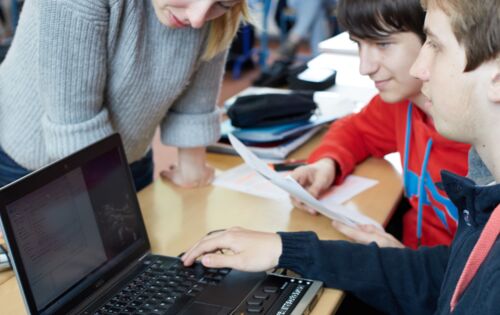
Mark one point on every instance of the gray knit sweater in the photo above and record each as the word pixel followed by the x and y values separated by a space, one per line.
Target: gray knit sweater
pixel 79 70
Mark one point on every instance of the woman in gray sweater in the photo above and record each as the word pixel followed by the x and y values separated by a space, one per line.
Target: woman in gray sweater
pixel 79 70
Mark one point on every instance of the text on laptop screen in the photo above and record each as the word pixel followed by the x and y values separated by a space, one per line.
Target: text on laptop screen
pixel 72 229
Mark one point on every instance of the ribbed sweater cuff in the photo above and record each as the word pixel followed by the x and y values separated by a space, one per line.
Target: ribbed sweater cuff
pixel 191 130
pixel 62 140
pixel 296 249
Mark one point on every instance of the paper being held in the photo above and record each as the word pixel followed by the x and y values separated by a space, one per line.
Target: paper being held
pixel 335 212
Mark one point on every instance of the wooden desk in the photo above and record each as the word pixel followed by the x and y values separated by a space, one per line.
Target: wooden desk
pixel 176 218
pixel 193 213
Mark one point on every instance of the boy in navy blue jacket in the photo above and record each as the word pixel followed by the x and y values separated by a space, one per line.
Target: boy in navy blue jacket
pixel 460 67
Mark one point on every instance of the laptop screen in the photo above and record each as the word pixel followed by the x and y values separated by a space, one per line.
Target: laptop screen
pixel 75 228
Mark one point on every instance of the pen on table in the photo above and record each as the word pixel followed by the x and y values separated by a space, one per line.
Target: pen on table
pixel 287 165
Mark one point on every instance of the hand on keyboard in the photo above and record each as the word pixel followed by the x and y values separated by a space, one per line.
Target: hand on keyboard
pixel 250 250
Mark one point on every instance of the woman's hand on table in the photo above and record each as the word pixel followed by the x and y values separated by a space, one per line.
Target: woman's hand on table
pixel 191 170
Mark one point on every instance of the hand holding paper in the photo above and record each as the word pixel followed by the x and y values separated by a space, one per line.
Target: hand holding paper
pixel 337 212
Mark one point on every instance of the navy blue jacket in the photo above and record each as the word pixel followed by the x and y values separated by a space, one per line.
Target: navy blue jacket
pixel 405 281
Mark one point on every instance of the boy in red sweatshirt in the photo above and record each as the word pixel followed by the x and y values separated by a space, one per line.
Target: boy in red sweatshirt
pixel 389 35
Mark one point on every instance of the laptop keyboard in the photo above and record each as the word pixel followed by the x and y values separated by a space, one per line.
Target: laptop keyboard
pixel 161 287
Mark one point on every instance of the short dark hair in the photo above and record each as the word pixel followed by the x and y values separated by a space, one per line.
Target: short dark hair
pixel 375 19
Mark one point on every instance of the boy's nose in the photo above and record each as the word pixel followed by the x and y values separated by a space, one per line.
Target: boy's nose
pixel 368 63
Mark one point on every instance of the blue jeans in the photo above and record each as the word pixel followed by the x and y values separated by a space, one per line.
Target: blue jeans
pixel 311 21
pixel 142 170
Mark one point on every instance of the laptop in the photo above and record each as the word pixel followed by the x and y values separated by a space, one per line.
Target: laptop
pixel 78 245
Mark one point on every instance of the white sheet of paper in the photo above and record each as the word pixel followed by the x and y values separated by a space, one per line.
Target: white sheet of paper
pixel 351 186
pixel 339 213
pixel 243 178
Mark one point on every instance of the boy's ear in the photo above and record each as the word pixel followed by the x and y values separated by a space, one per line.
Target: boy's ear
pixel 494 85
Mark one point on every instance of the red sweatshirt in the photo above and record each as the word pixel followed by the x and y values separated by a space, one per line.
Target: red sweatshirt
pixel 382 128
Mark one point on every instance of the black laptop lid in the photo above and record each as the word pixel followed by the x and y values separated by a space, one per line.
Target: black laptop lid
pixel 72 225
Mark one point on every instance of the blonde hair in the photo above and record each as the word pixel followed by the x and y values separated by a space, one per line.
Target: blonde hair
pixel 224 28
pixel 476 25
